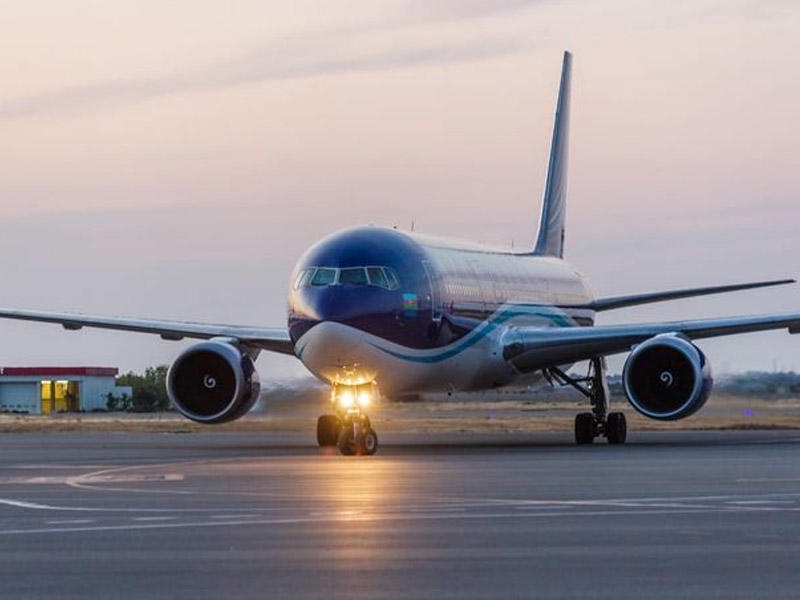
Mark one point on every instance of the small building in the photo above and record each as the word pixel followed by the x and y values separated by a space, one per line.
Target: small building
pixel 43 390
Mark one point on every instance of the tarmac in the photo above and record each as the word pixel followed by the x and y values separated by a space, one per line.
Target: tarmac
pixel 250 515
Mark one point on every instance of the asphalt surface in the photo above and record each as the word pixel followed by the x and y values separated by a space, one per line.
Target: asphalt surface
pixel 233 515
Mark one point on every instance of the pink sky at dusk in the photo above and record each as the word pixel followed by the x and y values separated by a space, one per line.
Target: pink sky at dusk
pixel 172 160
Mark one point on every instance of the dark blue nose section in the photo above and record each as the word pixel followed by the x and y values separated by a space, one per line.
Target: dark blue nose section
pixel 368 308
pixel 369 278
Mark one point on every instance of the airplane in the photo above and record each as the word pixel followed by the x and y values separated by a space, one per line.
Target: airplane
pixel 377 311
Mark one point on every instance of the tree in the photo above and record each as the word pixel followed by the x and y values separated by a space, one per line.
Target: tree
pixel 149 390
pixel 118 403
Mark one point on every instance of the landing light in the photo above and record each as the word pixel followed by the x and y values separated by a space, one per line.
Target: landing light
pixel 347 399
pixel 364 399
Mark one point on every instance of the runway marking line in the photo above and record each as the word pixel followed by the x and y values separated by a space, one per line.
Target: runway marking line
pixel 70 521
pixel 759 502
pixel 64 479
pixel 767 479
pixel 365 519
pixel 24 504
pixel 103 509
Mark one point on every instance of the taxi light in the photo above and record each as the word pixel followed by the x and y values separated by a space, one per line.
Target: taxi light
pixel 364 398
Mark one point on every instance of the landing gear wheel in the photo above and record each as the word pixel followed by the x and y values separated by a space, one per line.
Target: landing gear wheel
pixel 328 427
pixel 584 428
pixel 616 428
pixel 370 442
pixel 347 443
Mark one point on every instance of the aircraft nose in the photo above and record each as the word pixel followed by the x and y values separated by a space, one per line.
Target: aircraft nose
pixel 334 303
pixel 337 304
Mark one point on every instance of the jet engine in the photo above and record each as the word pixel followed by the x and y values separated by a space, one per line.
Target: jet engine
pixel 213 382
pixel 667 378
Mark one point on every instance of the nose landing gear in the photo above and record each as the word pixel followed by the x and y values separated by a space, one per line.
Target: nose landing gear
pixel 349 428
pixel 357 437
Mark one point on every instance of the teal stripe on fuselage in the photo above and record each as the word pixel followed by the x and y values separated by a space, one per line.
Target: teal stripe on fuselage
pixel 558 319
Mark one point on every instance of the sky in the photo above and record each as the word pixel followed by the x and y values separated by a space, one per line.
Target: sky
pixel 174 159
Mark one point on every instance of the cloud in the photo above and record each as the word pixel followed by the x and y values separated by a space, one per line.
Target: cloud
pixel 368 47
pixel 464 9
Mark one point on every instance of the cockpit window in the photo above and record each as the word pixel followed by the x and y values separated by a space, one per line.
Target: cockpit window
pixel 353 276
pixel 303 278
pixel 323 276
pixel 391 276
pixel 377 277
pixel 382 277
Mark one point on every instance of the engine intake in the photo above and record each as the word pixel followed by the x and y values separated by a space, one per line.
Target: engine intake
pixel 213 382
pixel 667 378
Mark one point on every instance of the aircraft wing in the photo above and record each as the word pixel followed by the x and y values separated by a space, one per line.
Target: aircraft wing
pixel 532 348
pixel 613 302
pixel 272 339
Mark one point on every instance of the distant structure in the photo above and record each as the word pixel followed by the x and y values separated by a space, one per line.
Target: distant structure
pixel 45 390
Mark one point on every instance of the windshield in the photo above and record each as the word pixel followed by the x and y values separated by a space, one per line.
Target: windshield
pixel 376 276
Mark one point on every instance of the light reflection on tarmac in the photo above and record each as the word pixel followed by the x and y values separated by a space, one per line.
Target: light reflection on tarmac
pixel 691 515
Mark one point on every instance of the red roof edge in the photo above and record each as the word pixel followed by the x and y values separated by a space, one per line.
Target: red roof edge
pixel 59 371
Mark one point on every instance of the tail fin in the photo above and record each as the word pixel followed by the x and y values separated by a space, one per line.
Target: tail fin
pixel 554 204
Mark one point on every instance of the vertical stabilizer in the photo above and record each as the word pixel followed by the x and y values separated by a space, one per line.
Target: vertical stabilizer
pixel 554 204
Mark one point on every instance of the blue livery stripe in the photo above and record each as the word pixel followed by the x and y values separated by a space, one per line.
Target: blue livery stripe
pixel 558 319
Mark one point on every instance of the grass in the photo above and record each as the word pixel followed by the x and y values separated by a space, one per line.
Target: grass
pixel 427 416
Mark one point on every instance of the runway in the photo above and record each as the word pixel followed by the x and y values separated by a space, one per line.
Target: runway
pixel 237 515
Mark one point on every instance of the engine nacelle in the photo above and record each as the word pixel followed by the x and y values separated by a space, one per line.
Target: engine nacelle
pixel 667 378
pixel 213 382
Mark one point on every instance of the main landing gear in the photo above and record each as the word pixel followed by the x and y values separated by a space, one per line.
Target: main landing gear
pixel 348 427
pixel 599 422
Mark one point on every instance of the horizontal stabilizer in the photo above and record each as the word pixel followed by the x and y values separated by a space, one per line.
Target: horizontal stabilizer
pixel 613 302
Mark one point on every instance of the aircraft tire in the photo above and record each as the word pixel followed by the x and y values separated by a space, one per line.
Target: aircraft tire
pixel 616 428
pixel 370 442
pixel 328 427
pixel 584 428
pixel 347 444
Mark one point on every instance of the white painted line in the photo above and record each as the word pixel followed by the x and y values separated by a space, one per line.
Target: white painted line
pixel 50 467
pixel 759 502
pixel 239 516
pixel 100 509
pixel 153 518
pixel 766 479
pixel 51 479
pixel 360 518
pixel 23 504
pixel 69 521
pixel 133 478
pixel 643 501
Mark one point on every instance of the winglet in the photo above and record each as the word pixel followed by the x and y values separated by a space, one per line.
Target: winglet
pixel 550 241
